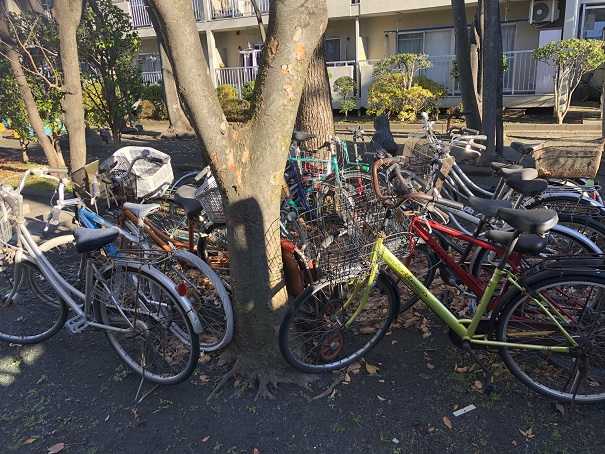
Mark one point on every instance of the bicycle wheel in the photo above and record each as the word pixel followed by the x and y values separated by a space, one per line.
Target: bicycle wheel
pixel 35 313
pixel 560 242
pixel 423 262
pixel 206 294
pixel 579 300
pixel 69 263
pixel 581 92
pixel 156 339
pixel 319 333
pixel 172 220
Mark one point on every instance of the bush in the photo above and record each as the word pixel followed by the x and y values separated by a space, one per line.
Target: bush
pixel 235 109
pixel 146 110
pixel 154 93
pixel 386 96
pixel 248 90
pixel 437 89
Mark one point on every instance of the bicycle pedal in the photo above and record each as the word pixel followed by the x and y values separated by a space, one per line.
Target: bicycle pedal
pixel 77 324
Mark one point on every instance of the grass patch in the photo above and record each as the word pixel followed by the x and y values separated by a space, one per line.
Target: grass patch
pixel 11 172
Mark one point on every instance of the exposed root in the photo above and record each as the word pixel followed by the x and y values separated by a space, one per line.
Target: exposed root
pixel 265 380
pixel 331 387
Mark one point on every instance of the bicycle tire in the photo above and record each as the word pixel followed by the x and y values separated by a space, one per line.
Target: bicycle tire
pixel 35 313
pixel 69 263
pixel 172 219
pixel 313 336
pixel 423 262
pixel 577 377
pixel 207 295
pixel 581 92
pixel 161 346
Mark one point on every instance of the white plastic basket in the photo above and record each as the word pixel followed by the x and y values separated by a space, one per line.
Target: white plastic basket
pixel 210 198
pixel 152 179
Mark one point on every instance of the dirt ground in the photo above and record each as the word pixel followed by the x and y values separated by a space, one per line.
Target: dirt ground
pixel 72 393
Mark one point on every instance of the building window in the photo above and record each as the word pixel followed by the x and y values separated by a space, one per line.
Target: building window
pixel 410 43
pixel 593 22
pixel 332 49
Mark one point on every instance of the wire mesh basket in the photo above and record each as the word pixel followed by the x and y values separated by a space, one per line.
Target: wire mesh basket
pixel 339 235
pixel 123 185
pixel 211 200
pixel 420 153
pixel 311 163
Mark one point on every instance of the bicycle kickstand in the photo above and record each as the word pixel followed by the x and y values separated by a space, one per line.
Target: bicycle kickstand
pixel 490 380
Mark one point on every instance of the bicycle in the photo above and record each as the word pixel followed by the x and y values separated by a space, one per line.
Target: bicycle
pixel 548 327
pixel 203 288
pixel 150 326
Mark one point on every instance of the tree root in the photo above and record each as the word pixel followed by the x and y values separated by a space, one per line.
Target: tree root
pixel 266 380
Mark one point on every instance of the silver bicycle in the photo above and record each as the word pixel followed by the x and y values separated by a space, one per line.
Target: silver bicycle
pixel 150 325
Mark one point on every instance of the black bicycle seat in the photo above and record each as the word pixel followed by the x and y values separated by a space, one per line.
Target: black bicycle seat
pixel 538 220
pixel 88 240
pixel 300 136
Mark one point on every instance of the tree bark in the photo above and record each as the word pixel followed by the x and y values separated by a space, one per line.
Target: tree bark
pixel 54 157
pixel 463 59
pixel 315 109
pixel 177 119
pixel 248 159
pixel 67 14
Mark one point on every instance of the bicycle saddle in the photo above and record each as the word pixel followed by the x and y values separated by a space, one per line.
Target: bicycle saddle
pixel 299 136
pixel 527 243
pixel 520 174
pixel 526 147
pixel 185 198
pixel 504 165
pixel 488 207
pixel 88 240
pixel 538 220
pixel 141 210
pixel 528 188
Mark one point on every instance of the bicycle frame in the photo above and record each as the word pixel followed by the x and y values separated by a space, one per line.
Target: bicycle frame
pixel 465 329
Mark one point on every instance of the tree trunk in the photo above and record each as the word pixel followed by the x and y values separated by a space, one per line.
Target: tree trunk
pixel 67 14
pixel 315 109
pixel 463 60
pixel 178 122
pixel 475 34
pixel 489 58
pixel 23 145
pixel 248 160
pixel 54 157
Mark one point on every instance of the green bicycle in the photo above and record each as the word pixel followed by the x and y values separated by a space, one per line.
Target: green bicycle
pixel 549 328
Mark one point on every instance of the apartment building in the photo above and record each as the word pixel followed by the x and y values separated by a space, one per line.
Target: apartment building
pixel 360 32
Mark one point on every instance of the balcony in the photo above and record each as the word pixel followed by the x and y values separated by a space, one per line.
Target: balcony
pixel 519 79
pixel 140 18
pixel 224 9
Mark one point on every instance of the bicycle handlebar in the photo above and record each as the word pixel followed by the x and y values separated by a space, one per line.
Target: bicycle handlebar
pixel 404 193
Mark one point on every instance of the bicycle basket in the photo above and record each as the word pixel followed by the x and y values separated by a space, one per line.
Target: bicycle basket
pixel 211 200
pixel 152 179
pixel 315 163
pixel 123 185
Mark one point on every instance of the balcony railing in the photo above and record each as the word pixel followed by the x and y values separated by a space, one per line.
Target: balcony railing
pixel 520 78
pixel 222 9
pixel 140 18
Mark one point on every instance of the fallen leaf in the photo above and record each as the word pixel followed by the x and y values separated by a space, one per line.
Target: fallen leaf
pixel 461 369
pixel 528 433
pixel 54 449
pixel 236 383
pixel 371 369
pixel 478 385
pixel 333 393
pixel 347 378
pixel 381 399
pixel 381 380
pixel 107 419
pixel 447 422
pixel 514 442
pixel 430 366
pixel 205 439
pixel 560 408
pixel 205 378
pixel 28 441
pixel 134 414
pixel 255 451
pixel 455 407
pixel 393 342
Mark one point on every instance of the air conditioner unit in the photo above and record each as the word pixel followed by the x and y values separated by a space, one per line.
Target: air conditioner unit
pixel 543 11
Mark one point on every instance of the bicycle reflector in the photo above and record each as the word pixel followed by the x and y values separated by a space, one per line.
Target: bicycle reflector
pixel 181 289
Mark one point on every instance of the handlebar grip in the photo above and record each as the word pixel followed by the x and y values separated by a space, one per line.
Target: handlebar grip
pixel 448 203
pixel 205 171
pixel 62 170
pixel 156 160
pixel 481 137
pixel 478 146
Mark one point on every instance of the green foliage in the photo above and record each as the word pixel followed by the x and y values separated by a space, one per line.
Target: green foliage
pixel 154 94
pixel 404 65
pixel 570 58
pixel 108 45
pixel 248 90
pixel 454 69
pixel 343 86
pixel 386 96
pixel 235 109
pixel 437 89
pixel 146 109
pixel 12 106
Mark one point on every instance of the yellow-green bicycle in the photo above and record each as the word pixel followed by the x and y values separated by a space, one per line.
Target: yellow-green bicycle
pixel 549 326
